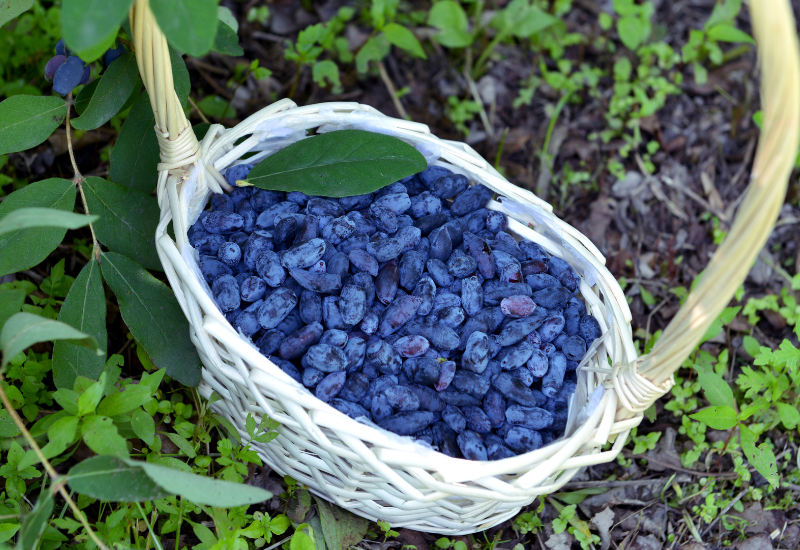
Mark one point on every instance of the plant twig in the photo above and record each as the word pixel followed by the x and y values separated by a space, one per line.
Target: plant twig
pixel 49 468
pixel 78 179
pixel 199 112
pixel 387 81
pixel 149 528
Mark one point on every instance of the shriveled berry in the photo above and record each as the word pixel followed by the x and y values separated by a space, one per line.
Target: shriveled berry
pixel 517 306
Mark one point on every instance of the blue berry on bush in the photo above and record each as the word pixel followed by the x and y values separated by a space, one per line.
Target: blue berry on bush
pixel 68 75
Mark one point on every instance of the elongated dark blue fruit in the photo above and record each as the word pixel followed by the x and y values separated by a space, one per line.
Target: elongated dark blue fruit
pixel 494 405
pixel 472 295
pixel 226 292
pixel 523 440
pixel 324 283
pixel 470 383
pixel 454 418
pixel 397 314
pixel 401 398
pixel 514 390
pixel 445 439
pixel 325 358
pixel 353 304
pixel 68 75
pixel 408 423
pixel 529 417
pixel 590 329
pixel 353 410
pixel 297 344
pixel 429 400
pixel 276 307
pixel 472 446
pixel 554 379
pixel 330 386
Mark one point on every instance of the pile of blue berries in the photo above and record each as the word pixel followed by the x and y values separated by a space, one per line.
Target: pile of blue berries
pixel 412 307
pixel 68 71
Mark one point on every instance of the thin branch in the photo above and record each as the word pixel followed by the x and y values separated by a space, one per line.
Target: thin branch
pixel 49 468
pixel 387 81
pixel 78 179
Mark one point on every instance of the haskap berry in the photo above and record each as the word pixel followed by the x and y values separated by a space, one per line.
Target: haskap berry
pixel 411 307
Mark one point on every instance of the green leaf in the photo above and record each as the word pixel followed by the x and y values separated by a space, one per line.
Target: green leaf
pixel 35 523
pixel 450 18
pixel 340 528
pixel 87 23
pixel 226 41
pixel 8 428
pixel 788 415
pixel 724 318
pixel 338 164
pixel 717 390
pixel 725 32
pixel 9 9
pixel 10 303
pixel 375 49
pixel 135 156
pixel 301 540
pixel 85 96
pixel 201 489
pixel 25 248
pixel 325 70
pixel 225 15
pixel 111 94
pixel 109 479
pixel 23 330
pixel 8 530
pixel 88 400
pixel 101 435
pixel 26 121
pixel 404 39
pixel 143 426
pixel 154 317
pixel 133 397
pixel 85 309
pixel 725 11
pixel 128 220
pixel 718 418
pixel 761 458
pixel 61 435
pixel 95 52
pixel 751 346
pixel 180 77
pixel 25 218
pixel 633 31
pixel 187 24
pixel 216 107
pixel 182 444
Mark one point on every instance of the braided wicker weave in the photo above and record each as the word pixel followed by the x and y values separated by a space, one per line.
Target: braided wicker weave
pixel 376 474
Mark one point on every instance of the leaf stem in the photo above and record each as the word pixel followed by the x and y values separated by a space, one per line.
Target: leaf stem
pixel 149 528
pixel 196 108
pixel 78 180
pixel 49 468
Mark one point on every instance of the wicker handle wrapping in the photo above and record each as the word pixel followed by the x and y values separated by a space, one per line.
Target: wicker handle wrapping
pixel 643 381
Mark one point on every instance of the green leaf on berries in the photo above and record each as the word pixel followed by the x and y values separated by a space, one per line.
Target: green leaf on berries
pixel 153 315
pixel 23 330
pixel 338 164
pixel 85 309
pixel 226 42
pixel 25 248
pixel 136 155
pixel 85 96
pixel 111 94
pixel 87 23
pixel 128 220
pixel 187 24
pixel 26 121
pixel 9 9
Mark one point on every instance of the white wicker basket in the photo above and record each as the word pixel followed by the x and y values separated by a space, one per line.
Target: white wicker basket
pixel 376 474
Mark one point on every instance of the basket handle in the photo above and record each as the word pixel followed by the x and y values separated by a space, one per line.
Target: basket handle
pixel 650 376
pixel 640 383
pixel 176 140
